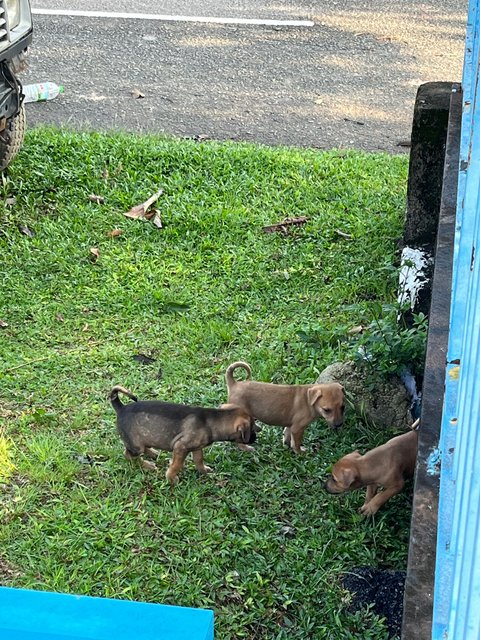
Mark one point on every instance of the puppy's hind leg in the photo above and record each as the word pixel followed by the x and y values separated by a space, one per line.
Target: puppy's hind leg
pixel 287 437
pixel 136 456
pixel 296 438
pixel 151 453
pixel 199 463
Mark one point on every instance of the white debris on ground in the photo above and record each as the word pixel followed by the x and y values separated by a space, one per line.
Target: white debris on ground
pixel 412 278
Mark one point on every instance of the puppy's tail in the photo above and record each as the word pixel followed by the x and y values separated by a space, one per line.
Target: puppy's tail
pixel 229 372
pixel 115 400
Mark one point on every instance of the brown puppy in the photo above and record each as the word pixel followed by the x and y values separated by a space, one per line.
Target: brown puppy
pixel 388 466
pixel 178 428
pixel 291 406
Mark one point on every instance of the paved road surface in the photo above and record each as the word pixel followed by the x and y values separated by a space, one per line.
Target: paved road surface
pixel 348 80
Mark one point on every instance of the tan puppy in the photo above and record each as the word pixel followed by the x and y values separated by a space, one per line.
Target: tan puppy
pixel 291 406
pixel 178 428
pixel 388 466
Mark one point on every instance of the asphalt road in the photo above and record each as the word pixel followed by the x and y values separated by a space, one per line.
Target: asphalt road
pixel 348 80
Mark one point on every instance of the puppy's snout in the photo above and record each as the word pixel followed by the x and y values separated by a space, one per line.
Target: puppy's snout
pixel 339 418
pixel 330 486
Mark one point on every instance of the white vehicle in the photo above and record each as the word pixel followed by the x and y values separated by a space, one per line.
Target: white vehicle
pixel 15 36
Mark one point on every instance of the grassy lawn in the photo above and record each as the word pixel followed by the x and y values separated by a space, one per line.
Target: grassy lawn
pixel 259 541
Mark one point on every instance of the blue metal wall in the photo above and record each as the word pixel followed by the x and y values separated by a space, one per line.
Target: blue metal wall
pixel 456 612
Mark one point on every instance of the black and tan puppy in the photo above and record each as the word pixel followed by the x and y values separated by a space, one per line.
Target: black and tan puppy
pixel 151 424
pixel 293 406
pixel 385 466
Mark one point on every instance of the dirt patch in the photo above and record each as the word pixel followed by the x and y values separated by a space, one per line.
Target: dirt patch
pixel 383 589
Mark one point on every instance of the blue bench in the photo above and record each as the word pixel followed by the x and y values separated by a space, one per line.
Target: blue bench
pixel 41 615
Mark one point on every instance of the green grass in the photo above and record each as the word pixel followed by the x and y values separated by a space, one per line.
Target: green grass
pixel 206 289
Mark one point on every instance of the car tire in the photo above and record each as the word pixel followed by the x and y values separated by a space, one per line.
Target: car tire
pixel 11 138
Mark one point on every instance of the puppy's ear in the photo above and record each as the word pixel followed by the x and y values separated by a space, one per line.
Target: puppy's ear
pixel 313 394
pixel 347 476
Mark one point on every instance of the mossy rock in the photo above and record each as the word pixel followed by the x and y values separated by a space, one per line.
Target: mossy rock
pixel 384 403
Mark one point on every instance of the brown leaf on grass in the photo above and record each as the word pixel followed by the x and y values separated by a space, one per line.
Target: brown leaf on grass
pixel 136 93
pixel 114 233
pixel 283 226
pixel 98 199
pixel 154 217
pixel 11 201
pixel 95 253
pixel 3 324
pixel 59 317
pixel 140 210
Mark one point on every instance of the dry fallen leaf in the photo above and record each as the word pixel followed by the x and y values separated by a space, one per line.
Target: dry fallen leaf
pixel 59 317
pixel 282 227
pixel 154 217
pixel 136 93
pixel 3 324
pixel 98 199
pixel 140 210
pixel 95 253
pixel 11 201
pixel 157 220
pixel 114 233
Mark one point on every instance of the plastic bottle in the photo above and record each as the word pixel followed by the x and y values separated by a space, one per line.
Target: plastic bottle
pixel 41 91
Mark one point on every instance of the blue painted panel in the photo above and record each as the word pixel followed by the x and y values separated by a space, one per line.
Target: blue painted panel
pixel 41 615
pixel 456 611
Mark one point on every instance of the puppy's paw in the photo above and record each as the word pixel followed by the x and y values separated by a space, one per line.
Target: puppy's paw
pixel 206 469
pixel 150 466
pixel 300 450
pixel 367 510
pixel 172 478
